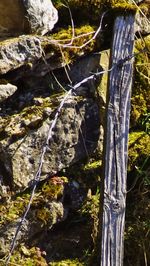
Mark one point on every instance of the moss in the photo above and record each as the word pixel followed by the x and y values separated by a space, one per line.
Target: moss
pixel 67 54
pixel 93 165
pixel 98 4
pixel 68 262
pixel 13 209
pixel 139 149
pixel 31 117
pixel 3 81
pixel 89 11
pixel 91 209
pixel 137 231
pixel 49 190
pixel 121 7
pixel 27 257
pixel 139 108
pixel 53 188
pixel 44 215
pixel 140 102
pixel 86 173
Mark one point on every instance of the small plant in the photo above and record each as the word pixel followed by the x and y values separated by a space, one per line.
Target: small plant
pixel 91 209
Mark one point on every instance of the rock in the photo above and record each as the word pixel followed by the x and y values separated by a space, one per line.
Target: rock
pixel 18 17
pixel 17 52
pixel 12 17
pixel 7 234
pixel 6 90
pixel 75 136
pixel 42 15
pixel 84 68
pixel 49 215
pixel 142 24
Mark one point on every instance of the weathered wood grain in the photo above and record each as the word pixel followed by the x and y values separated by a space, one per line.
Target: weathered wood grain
pixel 115 158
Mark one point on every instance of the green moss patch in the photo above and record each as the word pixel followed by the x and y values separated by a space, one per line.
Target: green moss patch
pixel 67 262
pixel 139 149
pixel 68 47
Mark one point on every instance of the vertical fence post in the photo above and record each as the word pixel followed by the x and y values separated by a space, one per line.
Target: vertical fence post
pixel 116 138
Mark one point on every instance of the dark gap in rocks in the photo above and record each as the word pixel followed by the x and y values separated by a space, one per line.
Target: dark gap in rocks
pixel 5 178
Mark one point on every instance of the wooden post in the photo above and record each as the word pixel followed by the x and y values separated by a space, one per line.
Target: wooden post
pixel 115 155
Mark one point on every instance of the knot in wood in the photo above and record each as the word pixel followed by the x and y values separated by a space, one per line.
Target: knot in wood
pixel 117 205
pixel 114 204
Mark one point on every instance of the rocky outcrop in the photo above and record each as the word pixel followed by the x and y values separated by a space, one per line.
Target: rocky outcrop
pixel 26 115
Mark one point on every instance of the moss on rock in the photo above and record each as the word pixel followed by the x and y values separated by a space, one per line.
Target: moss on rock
pixel 68 47
pixel 26 256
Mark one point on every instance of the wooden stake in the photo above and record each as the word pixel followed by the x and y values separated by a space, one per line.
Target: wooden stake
pixel 115 155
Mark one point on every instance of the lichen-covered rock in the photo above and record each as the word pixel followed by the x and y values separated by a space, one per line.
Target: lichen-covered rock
pixel 47 215
pixel 75 136
pixel 7 234
pixel 19 51
pixel 6 90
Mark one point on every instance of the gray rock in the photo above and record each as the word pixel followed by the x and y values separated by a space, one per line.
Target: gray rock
pixel 75 136
pixel 42 15
pixel 142 24
pixel 84 68
pixel 6 90
pixel 7 232
pixel 17 52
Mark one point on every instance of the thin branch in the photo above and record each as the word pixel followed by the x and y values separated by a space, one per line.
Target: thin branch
pixel 72 24
pixel 91 39
pixel 76 37
pixel 69 46
pixel 142 74
pixel 67 74
pixel 56 79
